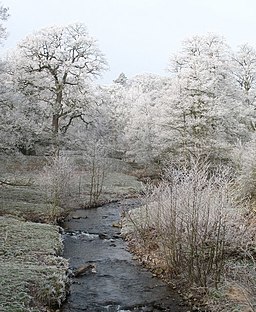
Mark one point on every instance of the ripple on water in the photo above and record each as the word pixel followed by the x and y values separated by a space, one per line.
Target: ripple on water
pixel 81 235
pixel 120 284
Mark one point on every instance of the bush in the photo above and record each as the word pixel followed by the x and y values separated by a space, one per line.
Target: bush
pixel 56 178
pixel 194 222
pixel 244 157
pixel 97 169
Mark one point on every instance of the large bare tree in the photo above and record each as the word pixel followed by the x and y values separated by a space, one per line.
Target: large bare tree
pixel 55 67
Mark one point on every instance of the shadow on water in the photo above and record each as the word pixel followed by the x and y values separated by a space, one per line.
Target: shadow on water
pixel 118 283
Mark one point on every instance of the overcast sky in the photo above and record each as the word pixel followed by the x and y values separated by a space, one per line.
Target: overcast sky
pixel 137 36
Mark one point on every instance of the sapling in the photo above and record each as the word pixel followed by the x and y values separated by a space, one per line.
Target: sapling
pixel 56 177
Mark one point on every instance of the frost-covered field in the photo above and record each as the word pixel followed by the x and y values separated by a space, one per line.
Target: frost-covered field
pixel 32 271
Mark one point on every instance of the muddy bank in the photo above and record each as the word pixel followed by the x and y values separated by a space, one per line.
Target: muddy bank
pixel 118 283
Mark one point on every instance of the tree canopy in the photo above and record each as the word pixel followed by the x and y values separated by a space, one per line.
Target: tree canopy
pixel 55 67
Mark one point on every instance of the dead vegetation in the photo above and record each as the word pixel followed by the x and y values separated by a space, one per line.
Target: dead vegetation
pixel 195 231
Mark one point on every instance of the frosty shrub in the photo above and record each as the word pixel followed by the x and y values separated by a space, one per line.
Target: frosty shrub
pixel 98 167
pixel 196 222
pixel 244 157
pixel 56 177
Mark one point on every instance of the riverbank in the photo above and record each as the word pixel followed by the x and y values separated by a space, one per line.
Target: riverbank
pixel 33 272
pixel 117 282
pixel 150 235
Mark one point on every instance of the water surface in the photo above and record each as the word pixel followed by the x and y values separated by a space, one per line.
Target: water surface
pixel 119 283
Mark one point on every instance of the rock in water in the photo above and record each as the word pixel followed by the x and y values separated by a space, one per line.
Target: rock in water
pixel 76 217
pixel 84 269
pixel 117 224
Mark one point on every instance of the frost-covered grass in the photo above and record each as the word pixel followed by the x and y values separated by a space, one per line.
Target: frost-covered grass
pixel 34 201
pixel 118 185
pixel 27 199
pixel 27 203
pixel 32 273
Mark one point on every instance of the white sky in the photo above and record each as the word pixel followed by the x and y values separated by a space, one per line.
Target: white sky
pixel 137 36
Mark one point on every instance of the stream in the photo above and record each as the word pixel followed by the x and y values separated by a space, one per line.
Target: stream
pixel 117 282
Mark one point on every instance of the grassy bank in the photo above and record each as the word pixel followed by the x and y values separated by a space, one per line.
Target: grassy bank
pixel 33 274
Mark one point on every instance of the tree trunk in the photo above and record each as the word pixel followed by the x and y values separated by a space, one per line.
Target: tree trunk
pixel 55 133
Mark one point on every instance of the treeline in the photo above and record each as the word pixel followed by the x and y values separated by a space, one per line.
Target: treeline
pixel 50 98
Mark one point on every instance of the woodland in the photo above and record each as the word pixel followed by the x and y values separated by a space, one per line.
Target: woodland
pixel 191 134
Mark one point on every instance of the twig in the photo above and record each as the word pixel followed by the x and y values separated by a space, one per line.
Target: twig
pixel 16 183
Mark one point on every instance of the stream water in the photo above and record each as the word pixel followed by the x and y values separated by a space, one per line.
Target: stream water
pixel 118 283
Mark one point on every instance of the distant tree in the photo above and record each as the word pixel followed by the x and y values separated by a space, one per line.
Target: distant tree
pixel 117 108
pixel 93 126
pixel 203 102
pixel 200 108
pixel 121 79
pixel 4 14
pixel 135 115
pixel 4 94
pixel 22 122
pixel 243 69
pixel 54 67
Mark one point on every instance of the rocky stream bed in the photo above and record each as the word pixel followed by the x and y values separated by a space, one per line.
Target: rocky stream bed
pixel 115 281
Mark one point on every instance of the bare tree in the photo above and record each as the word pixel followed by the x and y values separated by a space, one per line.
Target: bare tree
pixel 55 66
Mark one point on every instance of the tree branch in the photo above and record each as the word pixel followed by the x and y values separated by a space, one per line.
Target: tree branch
pixel 16 183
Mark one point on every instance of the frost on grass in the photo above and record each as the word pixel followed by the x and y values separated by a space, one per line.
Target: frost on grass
pixel 25 202
pixel 32 273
